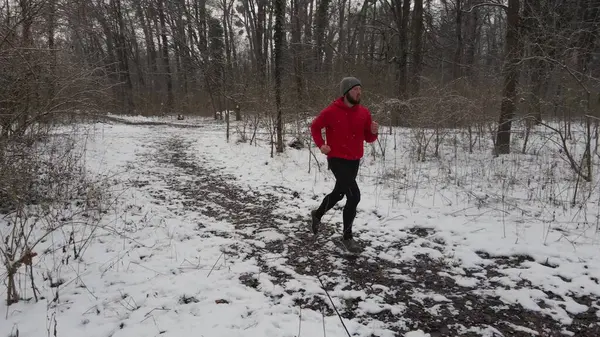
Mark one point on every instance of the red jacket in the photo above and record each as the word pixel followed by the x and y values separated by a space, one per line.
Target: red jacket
pixel 346 128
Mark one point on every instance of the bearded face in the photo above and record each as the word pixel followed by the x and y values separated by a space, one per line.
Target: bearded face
pixel 353 96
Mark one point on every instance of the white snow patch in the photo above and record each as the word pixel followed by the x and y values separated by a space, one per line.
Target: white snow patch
pixel 150 256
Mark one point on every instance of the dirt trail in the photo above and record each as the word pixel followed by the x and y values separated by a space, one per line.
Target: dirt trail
pixel 406 296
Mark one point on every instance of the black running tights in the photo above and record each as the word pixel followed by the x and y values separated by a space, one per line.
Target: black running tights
pixel 345 172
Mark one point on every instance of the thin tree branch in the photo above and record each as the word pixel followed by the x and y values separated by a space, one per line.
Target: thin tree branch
pixel 485 4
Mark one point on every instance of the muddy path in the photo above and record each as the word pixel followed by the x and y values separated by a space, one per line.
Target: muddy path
pixel 378 285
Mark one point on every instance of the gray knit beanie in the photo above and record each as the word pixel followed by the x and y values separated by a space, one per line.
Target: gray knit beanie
pixel 347 84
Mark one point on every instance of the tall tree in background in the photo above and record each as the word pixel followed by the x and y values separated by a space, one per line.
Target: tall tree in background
pixel 122 50
pixel 511 77
pixel 279 42
pixel 297 46
pixel 417 38
pixel 401 16
pixel 320 26
pixel 217 58
pixel 166 63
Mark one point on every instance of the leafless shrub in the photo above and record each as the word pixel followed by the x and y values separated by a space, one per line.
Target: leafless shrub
pixel 432 117
pixel 44 188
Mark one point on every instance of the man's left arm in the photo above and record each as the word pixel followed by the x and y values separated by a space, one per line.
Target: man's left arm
pixel 371 129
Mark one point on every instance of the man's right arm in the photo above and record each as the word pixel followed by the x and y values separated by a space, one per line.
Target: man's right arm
pixel 317 125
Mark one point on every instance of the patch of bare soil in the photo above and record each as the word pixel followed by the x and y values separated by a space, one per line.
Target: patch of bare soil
pixel 120 120
pixel 420 294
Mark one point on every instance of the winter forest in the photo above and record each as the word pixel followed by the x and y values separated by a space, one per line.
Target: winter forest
pixel 157 169
pixel 440 63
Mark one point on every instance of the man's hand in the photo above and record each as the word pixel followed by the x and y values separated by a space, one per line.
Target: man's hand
pixel 325 149
pixel 374 128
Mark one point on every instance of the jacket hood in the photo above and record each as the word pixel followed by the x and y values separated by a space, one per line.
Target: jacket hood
pixel 339 103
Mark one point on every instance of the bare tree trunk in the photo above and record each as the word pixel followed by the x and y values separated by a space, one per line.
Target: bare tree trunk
pixel 471 43
pixel 261 58
pixel 417 44
pixel 342 36
pixel 306 12
pixel 360 32
pixel 297 47
pixel 403 48
pixel 279 41
pixel 458 53
pixel 124 73
pixel 373 39
pixel 511 76
pixel 183 49
pixel 228 42
pixel 51 46
pixel 27 42
pixel 401 10
pixel 321 22
pixel 165 56
pixel 141 72
pixel 255 14
pixel 200 14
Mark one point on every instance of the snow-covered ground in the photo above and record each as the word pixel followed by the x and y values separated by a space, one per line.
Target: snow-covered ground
pixel 176 256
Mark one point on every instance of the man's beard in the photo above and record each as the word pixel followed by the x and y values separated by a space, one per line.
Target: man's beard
pixel 352 100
